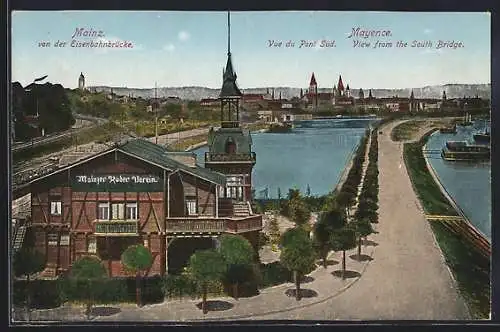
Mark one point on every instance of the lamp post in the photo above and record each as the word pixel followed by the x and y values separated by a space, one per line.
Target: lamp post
pixel 36 96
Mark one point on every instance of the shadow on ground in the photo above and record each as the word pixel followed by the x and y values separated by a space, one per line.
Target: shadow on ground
pixel 306 279
pixel 369 243
pixel 347 274
pixel 328 262
pixel 104 311
pixel 304 293
pixel 361 258
pixel 217 305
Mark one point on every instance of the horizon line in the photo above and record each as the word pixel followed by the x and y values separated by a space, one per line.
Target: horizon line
pixel 275 87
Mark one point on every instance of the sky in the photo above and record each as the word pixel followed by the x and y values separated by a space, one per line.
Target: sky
pixel 178 49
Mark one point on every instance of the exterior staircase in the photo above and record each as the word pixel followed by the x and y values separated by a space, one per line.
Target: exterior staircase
pixel 241 209
pixel 19 238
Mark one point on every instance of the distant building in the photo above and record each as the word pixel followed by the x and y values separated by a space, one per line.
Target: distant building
pixel 252 97
pixel 81 82
pixel 210 102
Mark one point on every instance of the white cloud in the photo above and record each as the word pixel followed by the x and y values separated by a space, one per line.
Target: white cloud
pixel 169 47
pixel 427 31
pixel 184 36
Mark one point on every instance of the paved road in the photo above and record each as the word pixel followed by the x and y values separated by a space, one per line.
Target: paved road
pixel 408 278
pixel 173 137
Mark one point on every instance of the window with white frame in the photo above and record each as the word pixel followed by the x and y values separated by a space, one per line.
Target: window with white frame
pixel 118 211
pixel 55 208
pixel 191 206
pixel 103 211
pixel 234 187
pixel 92 246
pixel 222 192
pixel 146 243
pixel 131 212
pixel 52 239
pixel 64 240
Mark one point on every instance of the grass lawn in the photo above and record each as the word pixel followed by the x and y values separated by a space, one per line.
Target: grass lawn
pixel 429 193
pixel 471 269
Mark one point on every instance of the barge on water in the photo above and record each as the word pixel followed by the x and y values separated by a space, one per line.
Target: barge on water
pixel 467 121
pixel 463 151
pixel 280 127
pixel 483 138
pixel 448 130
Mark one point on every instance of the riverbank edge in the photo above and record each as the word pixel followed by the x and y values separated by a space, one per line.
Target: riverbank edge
pixel 445 192
pixel 444 238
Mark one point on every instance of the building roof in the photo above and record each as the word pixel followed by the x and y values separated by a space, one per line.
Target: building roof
pixel 340 84
pixel 158 155
pixel 151 153
pixel 217 139
pixel 229 86
pixel 313 80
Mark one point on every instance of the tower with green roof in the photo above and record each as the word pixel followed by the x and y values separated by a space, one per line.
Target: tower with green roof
pixel 230 146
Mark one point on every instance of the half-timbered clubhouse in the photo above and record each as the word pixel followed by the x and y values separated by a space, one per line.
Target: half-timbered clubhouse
pixel 138 192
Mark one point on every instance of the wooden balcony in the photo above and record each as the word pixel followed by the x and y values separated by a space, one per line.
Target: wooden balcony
pixel 116 227
pixel 214 225
pixel 224 157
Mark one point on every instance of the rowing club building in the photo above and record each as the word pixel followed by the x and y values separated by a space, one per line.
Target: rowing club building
pixel 138 192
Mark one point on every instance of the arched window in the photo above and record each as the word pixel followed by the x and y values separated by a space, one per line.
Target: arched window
pixel 230 145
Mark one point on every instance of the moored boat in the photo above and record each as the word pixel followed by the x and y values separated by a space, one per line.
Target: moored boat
pixel 448 130
pixel 467 120
pixel 463 151
pixel 483 137
pixel 280 127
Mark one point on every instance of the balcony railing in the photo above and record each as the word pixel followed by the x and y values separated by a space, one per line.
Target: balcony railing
pixel 175 225
pixel 116 227
pixel 213 225
pixel 210 157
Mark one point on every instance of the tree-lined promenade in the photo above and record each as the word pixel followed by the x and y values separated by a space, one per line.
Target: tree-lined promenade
pixel 397 273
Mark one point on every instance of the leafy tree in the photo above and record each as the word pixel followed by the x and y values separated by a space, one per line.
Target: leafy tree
pixel 137 259
pixel 206 266
pixel 86 277
pixel 341 240
pixel 27 262
pixel 298 256
pixel 238 254
pixel 292 235
pixel 293 193
pixel 298 211
pixel 344 198
pixel 328 222
pixel 362 228
pixel 274 230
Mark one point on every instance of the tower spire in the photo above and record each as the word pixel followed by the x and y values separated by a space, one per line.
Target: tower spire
pixel 229 33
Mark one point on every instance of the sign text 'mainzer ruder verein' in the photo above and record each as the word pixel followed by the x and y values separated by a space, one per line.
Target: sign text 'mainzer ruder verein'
pixel 117 182
pixel 112 179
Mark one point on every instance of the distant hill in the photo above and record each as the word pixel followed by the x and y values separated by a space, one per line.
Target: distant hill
pixel 198 92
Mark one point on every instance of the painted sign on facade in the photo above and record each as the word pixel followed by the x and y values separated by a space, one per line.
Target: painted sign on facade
pixel 117 183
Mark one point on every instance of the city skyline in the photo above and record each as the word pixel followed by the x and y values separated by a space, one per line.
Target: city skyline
pixel 177 49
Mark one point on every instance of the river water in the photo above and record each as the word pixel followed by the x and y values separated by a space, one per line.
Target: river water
pixel 469 184
pixel 316 153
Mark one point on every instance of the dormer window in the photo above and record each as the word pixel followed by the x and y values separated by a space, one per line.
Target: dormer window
pixel 230 145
